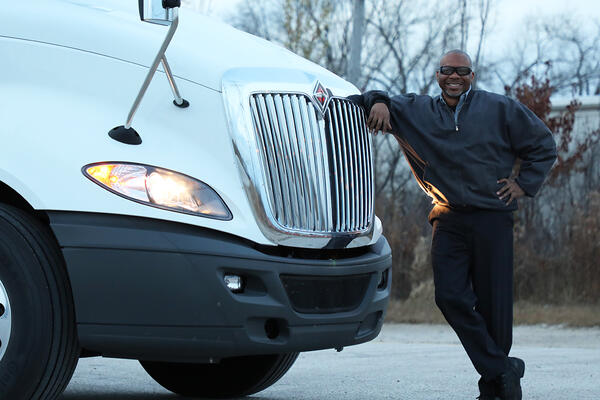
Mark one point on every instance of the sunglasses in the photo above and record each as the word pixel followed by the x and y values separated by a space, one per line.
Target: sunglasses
pixel 462 71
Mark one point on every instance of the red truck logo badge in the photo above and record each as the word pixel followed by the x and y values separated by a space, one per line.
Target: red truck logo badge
pixel 321 97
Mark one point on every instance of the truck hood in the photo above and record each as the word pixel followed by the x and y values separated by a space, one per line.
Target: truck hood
pixel 202 50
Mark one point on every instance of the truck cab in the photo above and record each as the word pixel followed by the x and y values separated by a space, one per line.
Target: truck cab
pixel 234 233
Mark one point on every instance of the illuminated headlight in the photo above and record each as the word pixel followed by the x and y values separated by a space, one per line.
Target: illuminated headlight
pixel 158 187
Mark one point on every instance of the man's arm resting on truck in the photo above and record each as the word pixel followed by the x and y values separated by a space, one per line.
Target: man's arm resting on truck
pixel 376 104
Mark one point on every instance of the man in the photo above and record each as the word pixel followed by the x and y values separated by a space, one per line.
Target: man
pixel 461 147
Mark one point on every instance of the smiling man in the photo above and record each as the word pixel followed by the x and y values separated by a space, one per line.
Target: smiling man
pixel 461 147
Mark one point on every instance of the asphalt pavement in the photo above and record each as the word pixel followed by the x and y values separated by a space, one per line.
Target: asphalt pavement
pixel 406 362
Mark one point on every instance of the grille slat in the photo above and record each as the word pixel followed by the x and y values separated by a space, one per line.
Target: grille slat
pixel 369 173
pixel 347 167
pixel 339 181
pixel 318 169
pixel 319 148
pixel 351 148
pixel 333 160
pixel 367 177
pixel 306 167
pixel 296 161
pixel 286 173
pixel 273 162
pixel 357 178
pixel 292 179
pixel 311 155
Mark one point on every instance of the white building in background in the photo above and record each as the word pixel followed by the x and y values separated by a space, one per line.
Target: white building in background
pixel 586 179
pixel 587 118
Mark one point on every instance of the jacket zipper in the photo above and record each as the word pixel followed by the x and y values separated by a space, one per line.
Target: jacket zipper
pixel 456 124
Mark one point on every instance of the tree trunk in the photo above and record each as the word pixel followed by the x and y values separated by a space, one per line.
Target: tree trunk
pixel 358 28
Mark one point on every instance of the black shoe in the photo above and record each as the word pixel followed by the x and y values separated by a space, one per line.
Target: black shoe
pixel 509 383
pixel 518 364
pixel 487 390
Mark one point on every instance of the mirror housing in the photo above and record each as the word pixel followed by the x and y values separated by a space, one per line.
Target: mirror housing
pixel 158 11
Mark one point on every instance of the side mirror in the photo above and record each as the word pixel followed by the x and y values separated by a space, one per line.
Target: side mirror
pixel 158 11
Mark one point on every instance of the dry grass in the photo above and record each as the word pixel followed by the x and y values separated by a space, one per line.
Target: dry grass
pixel 570 314
pixel 420 308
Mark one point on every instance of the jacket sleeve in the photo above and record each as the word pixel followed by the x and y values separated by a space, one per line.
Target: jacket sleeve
pixel 533 143
pixel 370 98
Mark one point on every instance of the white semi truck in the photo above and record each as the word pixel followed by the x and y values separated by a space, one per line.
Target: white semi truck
pixel 212 237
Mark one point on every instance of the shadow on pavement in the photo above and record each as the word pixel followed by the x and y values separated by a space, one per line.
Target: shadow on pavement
pixel 141 396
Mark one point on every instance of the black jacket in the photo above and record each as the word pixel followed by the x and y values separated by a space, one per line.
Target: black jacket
pixel 458 163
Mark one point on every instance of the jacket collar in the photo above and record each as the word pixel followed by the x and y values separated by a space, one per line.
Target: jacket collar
pixel 464 98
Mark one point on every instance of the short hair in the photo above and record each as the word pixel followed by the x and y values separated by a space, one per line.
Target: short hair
pixel 457 51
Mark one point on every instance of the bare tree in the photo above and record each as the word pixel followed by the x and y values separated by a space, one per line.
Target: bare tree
pixel 563 47
pixel 358 29
pixel 401 43
pixel 484 14
pixel 557 255
pixel 258 17
pixel 464 25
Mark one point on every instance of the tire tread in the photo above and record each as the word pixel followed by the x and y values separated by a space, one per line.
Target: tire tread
pixel 63 357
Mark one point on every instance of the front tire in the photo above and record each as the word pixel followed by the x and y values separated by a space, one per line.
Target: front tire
pixel 232 377
pixel 38 341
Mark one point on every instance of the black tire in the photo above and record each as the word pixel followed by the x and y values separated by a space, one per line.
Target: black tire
pixel 40 348
pixel 232 377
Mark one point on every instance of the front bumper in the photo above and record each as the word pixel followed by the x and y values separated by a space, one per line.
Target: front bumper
pixel 154 290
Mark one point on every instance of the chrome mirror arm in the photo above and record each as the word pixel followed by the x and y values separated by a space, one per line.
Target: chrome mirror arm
pixel 125 133
pixel 179 101
pixel 159 57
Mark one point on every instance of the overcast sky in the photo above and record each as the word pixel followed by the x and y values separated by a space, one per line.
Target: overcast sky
pixel 509 17
pixel 510 12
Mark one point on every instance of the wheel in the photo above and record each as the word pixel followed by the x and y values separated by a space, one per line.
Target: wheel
pixel 38 341
pixel 232 377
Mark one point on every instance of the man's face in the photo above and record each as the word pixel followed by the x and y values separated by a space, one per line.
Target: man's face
pixel 454 85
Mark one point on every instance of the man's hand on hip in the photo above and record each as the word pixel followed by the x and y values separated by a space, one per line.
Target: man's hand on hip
pixel 379 119
pixel 511 189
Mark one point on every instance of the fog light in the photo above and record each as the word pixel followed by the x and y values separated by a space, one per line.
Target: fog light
pixel 235 283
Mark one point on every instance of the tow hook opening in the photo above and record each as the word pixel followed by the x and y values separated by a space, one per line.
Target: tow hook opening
pixel 272 329
pixel 383 280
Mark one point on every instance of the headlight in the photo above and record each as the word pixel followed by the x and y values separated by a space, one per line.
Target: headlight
pixel 158 187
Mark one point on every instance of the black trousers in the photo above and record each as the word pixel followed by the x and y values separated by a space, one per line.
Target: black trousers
pixel 472 257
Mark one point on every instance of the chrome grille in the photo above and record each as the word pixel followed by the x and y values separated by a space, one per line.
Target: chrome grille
pixel 319 171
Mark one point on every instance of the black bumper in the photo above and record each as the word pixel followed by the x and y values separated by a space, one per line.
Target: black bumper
pixel 154 290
